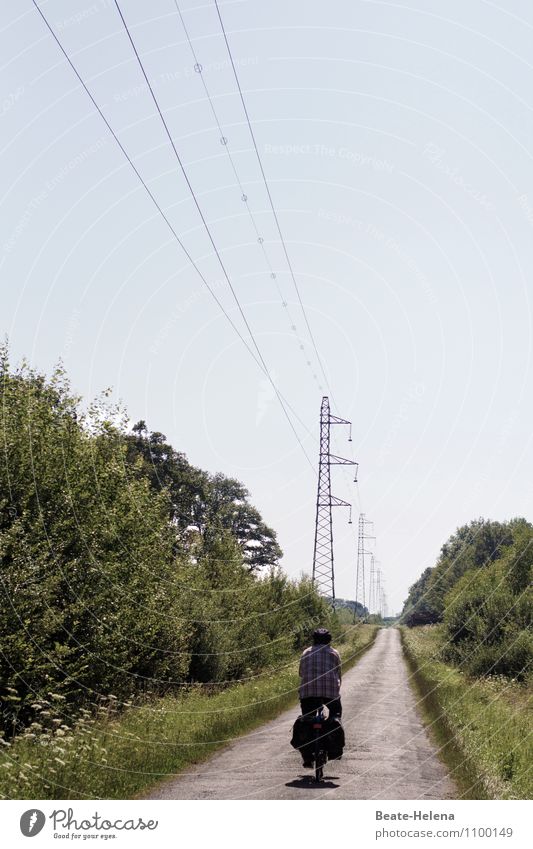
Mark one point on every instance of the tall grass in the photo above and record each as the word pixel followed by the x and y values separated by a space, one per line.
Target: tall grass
pixel 483 725
pixel 114 754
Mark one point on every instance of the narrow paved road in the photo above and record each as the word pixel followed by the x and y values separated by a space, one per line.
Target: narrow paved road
pixel 388 753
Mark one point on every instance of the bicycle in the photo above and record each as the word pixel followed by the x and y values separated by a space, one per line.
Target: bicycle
pixel 318 739
pixel 320 754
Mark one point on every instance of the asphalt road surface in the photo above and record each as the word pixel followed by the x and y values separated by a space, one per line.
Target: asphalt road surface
pixel 388 754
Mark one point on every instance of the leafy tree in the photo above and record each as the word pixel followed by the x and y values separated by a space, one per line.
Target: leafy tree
pixel 228 509
pixel 124 569
pixel 352 606
pixel 169 469
pixel 481 589
pixel 88 576
pixel 418 609
pixel 473 546
pixel 210 504
pixel 489 615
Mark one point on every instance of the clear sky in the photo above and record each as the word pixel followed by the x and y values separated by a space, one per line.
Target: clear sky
pixel 397 142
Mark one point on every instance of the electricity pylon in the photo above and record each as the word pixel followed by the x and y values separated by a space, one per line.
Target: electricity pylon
pixel 376 590
pixel 360 568
pixel 323 566
pixel 372 589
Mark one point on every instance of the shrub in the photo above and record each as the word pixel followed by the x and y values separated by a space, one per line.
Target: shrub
pixel 488 614
pixel 103 590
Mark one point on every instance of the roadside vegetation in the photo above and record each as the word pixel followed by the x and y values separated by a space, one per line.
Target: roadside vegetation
pixel 130 581
pixel 123 568
pixel 482 724
pixel 143 612
pixel 117 752
pixel 470 647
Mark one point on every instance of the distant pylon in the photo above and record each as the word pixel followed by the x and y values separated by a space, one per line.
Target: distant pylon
pixel 381 595
pixel 360 593
pixel 372 589
pixel 323 566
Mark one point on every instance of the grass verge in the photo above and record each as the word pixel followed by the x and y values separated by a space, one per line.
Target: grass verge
pixel 482 725
pixel 117 756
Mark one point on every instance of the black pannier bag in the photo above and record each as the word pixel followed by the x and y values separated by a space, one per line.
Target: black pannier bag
pixel 303 737
pixel 335 740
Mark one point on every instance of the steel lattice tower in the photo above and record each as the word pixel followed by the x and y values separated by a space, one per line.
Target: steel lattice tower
pixel 379 593
pixel 323 565
pixel 372 590
pixel 360 592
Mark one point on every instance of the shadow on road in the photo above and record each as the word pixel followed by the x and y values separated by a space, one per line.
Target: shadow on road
pixel 308 783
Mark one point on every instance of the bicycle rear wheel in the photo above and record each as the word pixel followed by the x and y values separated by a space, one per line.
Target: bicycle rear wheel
pixel 320 761
pixel 317 757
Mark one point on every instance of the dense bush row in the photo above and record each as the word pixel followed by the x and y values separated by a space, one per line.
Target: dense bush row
pixel 482 725
pixel 481 590
pixel 124 569
pixel 489 614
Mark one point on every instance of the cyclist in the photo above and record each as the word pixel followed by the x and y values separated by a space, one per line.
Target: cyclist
pixel 320 673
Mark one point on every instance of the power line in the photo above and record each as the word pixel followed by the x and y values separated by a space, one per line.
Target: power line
pixel 210 235
pixel 258 359
pixel 244 196
pixel 273 208
pixel 287 257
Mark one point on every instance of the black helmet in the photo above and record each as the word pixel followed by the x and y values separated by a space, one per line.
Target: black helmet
pixel 321 636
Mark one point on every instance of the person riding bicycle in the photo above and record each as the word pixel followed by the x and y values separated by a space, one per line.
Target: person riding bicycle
pixel 320 673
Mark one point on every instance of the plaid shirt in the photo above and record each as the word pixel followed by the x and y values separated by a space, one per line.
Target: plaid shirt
pixel 320 671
